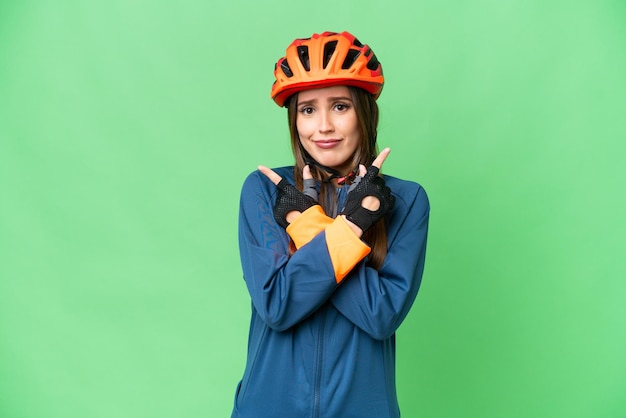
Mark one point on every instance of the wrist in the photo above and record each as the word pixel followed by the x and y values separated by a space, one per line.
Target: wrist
pixel 358 231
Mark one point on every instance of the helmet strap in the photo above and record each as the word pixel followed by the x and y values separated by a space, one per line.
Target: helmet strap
pixel 332 173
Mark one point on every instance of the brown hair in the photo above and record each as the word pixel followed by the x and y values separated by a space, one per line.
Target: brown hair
pixel 367 117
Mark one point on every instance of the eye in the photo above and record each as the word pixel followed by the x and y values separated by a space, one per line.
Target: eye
pixel 306 110
pixel 342 107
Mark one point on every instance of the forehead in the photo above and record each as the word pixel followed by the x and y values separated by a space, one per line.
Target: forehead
pixel 323 93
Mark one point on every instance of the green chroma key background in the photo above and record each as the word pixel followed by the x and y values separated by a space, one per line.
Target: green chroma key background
pixel 127 128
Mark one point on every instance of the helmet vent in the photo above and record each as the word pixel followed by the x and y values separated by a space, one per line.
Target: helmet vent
pixel 284 65
pixel 303 53
pixel 329 50
pixel 373 63
pixel 356 43
pixel 351 56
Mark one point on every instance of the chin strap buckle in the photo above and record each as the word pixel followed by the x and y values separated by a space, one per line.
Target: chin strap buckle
pixel 342 180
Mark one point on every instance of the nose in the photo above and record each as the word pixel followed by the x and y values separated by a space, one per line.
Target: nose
pixel 326 122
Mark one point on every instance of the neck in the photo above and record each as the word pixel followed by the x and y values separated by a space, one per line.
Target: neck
pixel 333 176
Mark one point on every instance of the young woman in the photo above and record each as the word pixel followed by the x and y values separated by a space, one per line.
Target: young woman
pixel 332 251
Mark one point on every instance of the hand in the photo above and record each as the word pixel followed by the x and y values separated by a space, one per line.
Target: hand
pixel 369 199
pixel 291 202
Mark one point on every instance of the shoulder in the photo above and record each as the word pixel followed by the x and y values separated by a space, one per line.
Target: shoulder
pixel 404 189
pixel 410 195
pixel 396 183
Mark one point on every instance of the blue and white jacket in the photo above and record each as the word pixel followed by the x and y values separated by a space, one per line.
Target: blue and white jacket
pixel 322 332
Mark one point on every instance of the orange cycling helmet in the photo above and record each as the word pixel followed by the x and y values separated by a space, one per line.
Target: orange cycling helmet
pixel 325 60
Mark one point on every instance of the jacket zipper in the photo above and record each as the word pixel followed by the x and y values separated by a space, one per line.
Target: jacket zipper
pixel 340 193
pixel 318 366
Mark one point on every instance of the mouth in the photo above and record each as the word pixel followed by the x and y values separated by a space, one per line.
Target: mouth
pixel 327 143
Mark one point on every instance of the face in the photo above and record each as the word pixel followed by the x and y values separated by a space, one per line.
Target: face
pixel 328 127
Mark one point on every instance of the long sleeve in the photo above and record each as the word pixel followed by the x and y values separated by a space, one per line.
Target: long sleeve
pixel 284 289
pixel 378 301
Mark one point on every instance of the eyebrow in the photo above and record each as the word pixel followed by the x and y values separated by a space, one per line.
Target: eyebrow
pixel 330 99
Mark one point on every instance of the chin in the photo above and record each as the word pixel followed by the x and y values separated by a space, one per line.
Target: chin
pixel 331 163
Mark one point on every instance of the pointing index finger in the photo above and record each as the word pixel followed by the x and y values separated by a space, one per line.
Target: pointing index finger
pixel 378 162
pixel 270 174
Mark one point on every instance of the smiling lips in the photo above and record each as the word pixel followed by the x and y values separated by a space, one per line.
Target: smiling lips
pixel 327 143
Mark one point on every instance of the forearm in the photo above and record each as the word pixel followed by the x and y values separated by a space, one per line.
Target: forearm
pixel 377 301
pixel 287 289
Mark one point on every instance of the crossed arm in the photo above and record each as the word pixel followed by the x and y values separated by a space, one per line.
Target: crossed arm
pixel 285 289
